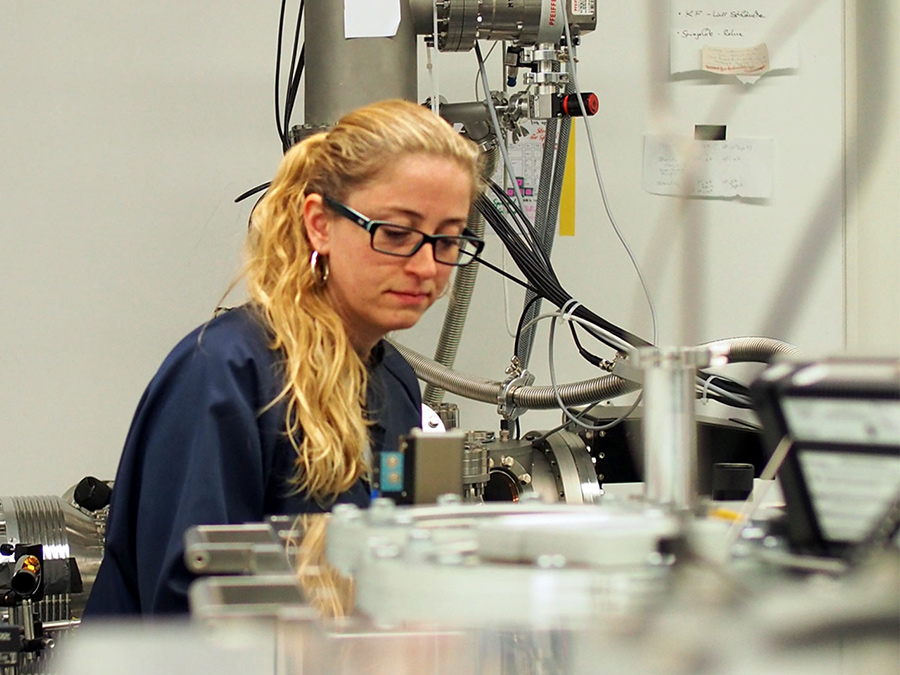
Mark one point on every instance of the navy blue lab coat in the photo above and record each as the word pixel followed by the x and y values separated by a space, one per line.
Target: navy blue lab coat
pixel 200 451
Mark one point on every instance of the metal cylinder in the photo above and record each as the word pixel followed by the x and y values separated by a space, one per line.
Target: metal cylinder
pixel 669 424
pixel 449 414
pixel 461 22
pixel 64 531
pixel 475 465
pixel 343 74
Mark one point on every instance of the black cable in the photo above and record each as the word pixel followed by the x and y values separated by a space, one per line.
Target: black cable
pixel 252 191
pixel 524 226
pixel 591 358
pixel 503 273
pixel 728 384
pixel 293 85
pixel 534 264
pixel 738 393
pixel 292 92
pixel 520 327
pixel 535 271
pixel 281 133
pixel 295 74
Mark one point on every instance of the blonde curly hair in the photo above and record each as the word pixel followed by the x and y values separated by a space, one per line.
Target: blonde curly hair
pixel 324 377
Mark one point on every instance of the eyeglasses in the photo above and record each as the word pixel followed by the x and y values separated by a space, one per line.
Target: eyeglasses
pixel 448 249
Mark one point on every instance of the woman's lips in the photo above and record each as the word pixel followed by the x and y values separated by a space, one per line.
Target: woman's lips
pixel 411 297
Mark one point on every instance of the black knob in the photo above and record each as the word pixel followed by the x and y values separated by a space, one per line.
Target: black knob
pixel 732 481
pixel 567 105
pixel 92 494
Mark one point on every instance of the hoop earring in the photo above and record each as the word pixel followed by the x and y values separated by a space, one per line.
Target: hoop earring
pixel 319 267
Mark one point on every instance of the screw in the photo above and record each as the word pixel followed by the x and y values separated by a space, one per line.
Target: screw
pixel 381 511
pixel 549 561
pixel 384 550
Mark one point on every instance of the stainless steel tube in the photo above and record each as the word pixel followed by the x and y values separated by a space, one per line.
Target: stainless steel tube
pixel 343 74
pixel 669 424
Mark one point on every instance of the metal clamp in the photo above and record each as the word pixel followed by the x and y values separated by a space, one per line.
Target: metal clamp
pixel 506 407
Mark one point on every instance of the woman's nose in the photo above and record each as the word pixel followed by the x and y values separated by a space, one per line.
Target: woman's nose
pixel 422 262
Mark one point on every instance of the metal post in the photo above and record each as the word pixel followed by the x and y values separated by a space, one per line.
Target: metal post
pixel 343 74
pixel 669 424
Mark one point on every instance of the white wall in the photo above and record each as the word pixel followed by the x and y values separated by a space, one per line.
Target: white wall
pixel 127 131
pixel 872 105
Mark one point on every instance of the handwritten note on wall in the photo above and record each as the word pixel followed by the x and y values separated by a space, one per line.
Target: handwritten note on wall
pixel 723 36
pixel 724 169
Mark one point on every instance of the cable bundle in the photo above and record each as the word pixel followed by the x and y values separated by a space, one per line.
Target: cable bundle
pixel 518 237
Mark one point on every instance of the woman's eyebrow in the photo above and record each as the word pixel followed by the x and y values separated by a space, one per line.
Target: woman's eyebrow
pixel 415 215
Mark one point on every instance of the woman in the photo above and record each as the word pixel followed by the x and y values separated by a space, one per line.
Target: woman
pixel 272 408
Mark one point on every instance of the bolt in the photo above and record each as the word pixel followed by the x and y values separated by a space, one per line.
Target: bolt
pixel 384 550
pixel 525 478
pixel 340 509
pixel 419 546
pixel 550 561
pixel 420 534
pixel 381 511
pixel 453 558
pixel 507 461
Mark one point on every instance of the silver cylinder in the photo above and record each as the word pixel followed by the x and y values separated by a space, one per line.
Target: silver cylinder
pixel 461 22
pixel 669 424
pixel 475 465
pixel 343 74
pixel 65 531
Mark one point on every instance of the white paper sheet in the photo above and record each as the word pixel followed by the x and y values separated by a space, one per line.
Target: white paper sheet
pixel 725 169
pixel 371 18
pixel 743 39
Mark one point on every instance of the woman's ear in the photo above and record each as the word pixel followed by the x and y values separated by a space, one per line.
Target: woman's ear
pixel 317 223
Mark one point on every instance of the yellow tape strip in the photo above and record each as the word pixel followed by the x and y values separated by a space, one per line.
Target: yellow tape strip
pixel 567 199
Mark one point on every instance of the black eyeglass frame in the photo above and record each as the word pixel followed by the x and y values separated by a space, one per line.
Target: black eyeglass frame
pixel 370 226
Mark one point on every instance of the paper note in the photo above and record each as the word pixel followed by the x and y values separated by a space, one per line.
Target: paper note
pixel 371 18
pixel 722 36
pixel 736 60
pixel 732 168
pixel 525 155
